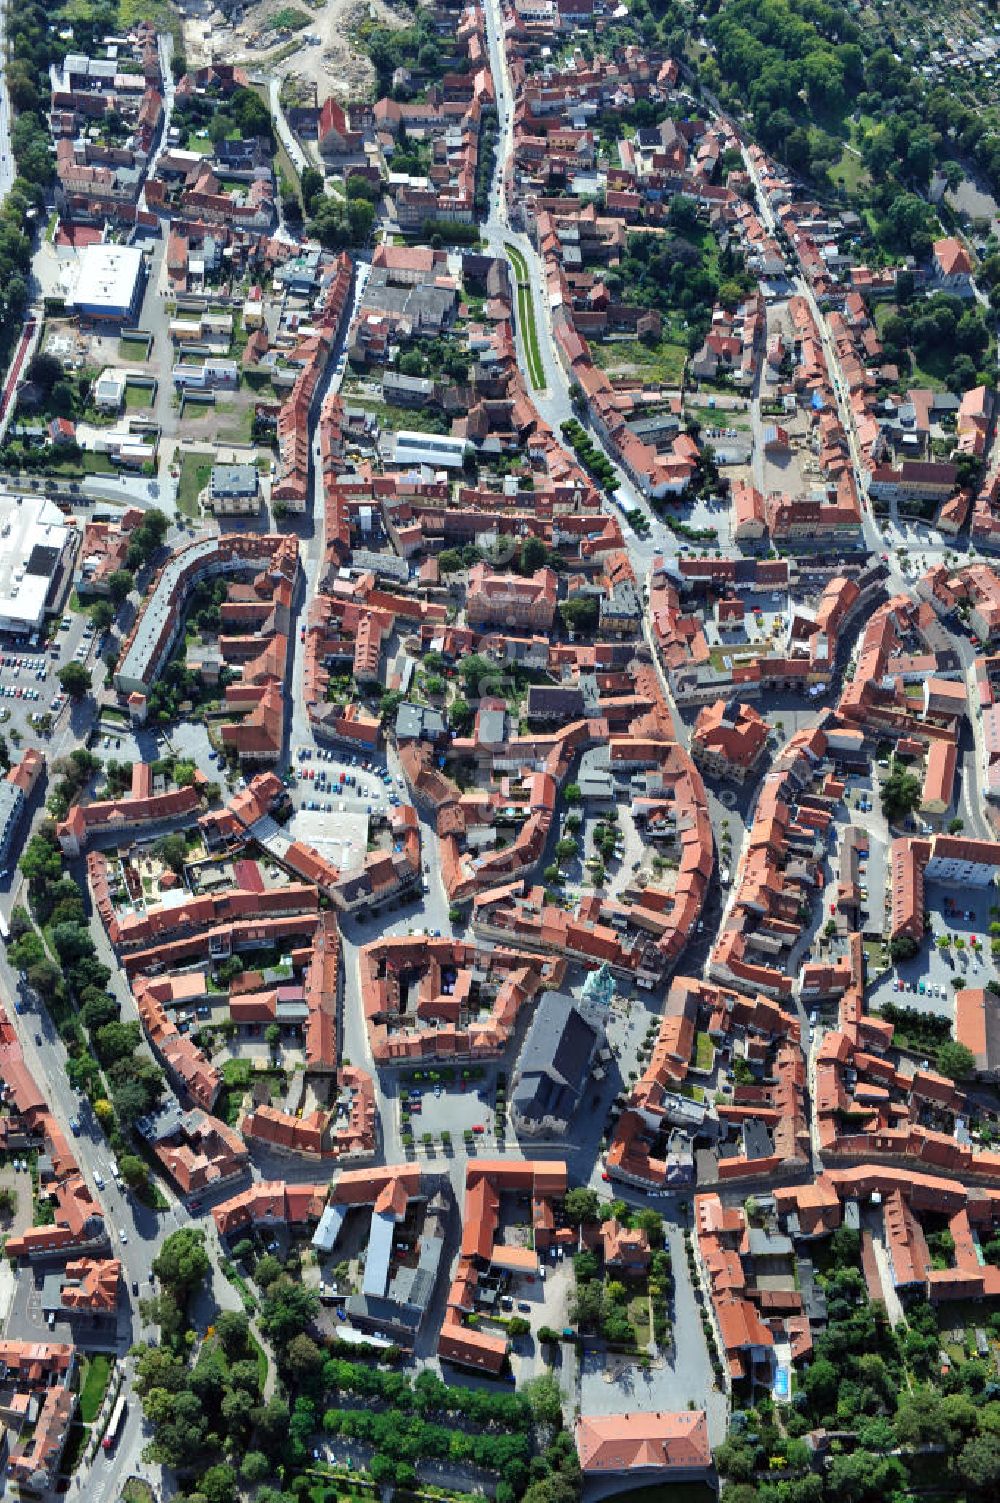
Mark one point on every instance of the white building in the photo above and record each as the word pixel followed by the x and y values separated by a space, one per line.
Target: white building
pixel 109 283
pixel 439 450
pixel 963 862
pixel 35 550
pixel 109 390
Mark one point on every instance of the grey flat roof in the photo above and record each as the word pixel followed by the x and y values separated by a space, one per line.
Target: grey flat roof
pixel 234 479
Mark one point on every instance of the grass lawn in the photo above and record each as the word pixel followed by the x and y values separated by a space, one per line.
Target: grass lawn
pixel 93 1386
pixel 237 1072
pixel 638 1317
pixel 132 349
pixel 391 419
pixel 693 1092
pixel 723 657
pixel 238 426
pixel 526 318
pixel 850 172
pixel 282 161
pixel 138 398
pixel 194 476
pixel 717 417
pixel 663 363
pixel 710 253
pixel 261 1356
pixel 704 1052
pixel 934 366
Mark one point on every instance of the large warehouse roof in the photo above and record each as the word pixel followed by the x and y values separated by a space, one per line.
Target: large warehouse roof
pixel 108 277
pixel 33 538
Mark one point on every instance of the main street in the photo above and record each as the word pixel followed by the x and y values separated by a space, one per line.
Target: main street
pixel 553 400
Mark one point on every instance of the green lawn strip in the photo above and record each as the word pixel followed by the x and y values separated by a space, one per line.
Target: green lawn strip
pixel 261 1356
pixel 194 476
pixel 704 1052
pixel 526 318
pixel 94 1386
pixel 526 313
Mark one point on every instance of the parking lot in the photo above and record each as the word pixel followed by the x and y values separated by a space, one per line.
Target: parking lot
pixel 927 982
pixel 29 687
pixel 330 781
pixel 446 1107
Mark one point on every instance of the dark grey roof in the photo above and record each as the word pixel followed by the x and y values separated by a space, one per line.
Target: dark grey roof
pixel 555 699
pixel 813 1295
pixel 554 1061
pixel 414 722
pixel 756 1140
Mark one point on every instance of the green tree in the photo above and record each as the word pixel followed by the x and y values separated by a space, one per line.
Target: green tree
pixel 956 1061
pixel 133 1170
pixel 821 1382
pixel 303 1359
pixel 979 1464
pixel 287 1309
pixel 581 1204
pixel 74 680
pixel 232 1330
pixel 311 184
pixel 544 1396
pixel 102 614
pixel 580 613
pixel 182 1262
pixel 534 555
pixel 651 1222
pixel 120 585
pixel 45 978
pixel 172 851
pixel 71 942
pixel 254 1467
pixel 218 1484
pixel 117 1041
pixel 901 794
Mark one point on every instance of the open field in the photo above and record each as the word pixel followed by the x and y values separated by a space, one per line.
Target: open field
pixel 662 363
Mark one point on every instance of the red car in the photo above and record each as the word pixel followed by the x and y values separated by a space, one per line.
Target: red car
pixel 478 1127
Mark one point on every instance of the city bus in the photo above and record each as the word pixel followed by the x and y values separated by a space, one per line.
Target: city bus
pixel 115 1423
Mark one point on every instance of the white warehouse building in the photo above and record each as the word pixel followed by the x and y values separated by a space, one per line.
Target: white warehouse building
pixel 110 282
pixel 36 555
